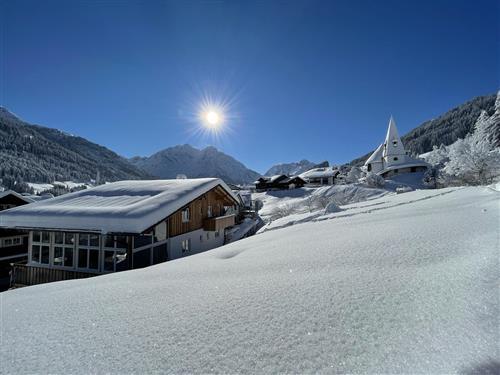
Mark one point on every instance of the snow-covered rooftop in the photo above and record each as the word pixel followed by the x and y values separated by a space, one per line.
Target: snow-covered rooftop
pixel 119 207
pixel 323 172
pixel 12 192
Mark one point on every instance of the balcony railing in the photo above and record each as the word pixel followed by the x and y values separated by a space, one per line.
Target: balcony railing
pixel 24 274
pixel 218 223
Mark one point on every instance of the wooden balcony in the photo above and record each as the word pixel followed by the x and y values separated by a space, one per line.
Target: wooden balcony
pixel 218 223
pixel 24 274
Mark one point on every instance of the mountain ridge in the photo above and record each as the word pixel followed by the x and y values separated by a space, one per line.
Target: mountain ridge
pixel 194 163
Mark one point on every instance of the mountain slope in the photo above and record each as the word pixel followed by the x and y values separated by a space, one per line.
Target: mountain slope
pixel 39 154
pixel 187 160
pixel 290 169
pixel 445 129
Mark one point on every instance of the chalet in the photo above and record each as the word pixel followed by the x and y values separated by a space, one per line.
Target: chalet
pixel 13 243
pixel 279 182
pixel 391 158
pixel 120 226
pixel 321 176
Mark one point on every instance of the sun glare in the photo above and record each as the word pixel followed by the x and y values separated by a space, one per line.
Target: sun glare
pixel 212 118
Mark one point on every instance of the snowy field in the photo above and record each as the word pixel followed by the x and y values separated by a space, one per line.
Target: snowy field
pixel 411 287
pixel 306 199
pixel 40 188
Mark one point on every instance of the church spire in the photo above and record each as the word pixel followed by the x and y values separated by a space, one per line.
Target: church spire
pixel 393 144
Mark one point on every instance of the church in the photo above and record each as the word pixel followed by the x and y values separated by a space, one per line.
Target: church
pixel 391 158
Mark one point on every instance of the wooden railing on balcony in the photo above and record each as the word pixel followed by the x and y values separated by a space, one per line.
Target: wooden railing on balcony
pixel 218 223
pixel 24 274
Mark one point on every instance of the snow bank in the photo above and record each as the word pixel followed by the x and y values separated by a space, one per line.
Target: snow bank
pixel 407 288
pixel 305 200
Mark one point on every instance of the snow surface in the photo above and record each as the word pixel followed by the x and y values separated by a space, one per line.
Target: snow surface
pixel 302 200
pixel 40 188
pixel 118 207
pixel 409 288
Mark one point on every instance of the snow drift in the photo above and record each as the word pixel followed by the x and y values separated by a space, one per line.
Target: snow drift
pixel 409 287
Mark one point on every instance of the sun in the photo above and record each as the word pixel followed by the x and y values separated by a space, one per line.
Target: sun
pixel 212 118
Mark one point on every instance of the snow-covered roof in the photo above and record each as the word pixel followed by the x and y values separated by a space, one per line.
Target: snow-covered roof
pixel 320 173
pixel 408 164
pixel 17 195
pixel 377 155
pixel 119 207
pixel 277 177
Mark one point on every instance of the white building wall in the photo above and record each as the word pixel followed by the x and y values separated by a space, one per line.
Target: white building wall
pixel 201 241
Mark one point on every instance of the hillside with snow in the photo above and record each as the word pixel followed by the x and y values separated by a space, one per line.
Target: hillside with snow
pixel 407 286
pixel 290 169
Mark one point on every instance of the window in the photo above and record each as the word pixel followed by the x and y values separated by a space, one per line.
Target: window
pixel 185 215
pixel 186 245
pixel 45 255
pixel 88 250
pixel 217 234
pixel 58 237
pixel 36 236
pixel 160 232
pixel 209 211
pixel 395 158
pixel 35 253
pixel 395 143
pixel 40 248
pixel 69 238
pixel 369 167
pixel 208 235
pixel 58 256
pixel 46 237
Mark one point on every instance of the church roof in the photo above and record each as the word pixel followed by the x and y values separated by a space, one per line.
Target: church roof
pixel 377 155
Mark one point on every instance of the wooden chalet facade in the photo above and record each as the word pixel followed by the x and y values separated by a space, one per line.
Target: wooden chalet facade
pixel 13 243
pixel 279 182
pixel 193 222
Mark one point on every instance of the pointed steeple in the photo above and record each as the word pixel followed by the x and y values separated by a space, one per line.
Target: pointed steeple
pixel 393 144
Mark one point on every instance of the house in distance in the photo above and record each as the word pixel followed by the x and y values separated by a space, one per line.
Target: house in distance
pixel 120 226
pixel 279 182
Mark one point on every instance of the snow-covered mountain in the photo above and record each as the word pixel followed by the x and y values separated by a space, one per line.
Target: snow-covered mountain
pixel 290 169
pixel 192 162
pixel 405 284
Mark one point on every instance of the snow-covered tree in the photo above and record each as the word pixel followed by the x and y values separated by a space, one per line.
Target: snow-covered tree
pixel 475 159
pixel 374 180
pixel 354 174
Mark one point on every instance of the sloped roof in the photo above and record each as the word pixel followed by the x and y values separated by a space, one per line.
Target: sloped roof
pixel 377 155
pixel 119 207
pixel 17 195
pixel 320 173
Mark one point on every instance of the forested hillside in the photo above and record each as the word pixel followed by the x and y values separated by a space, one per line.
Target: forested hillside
pixel 32 153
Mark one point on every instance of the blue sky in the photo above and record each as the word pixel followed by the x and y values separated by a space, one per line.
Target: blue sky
pixel 304 79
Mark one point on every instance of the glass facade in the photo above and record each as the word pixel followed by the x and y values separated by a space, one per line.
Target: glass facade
pixel 89 252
